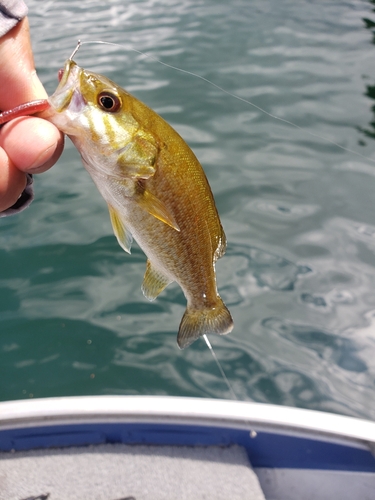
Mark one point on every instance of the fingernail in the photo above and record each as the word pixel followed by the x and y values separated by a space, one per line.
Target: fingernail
pixel 43 158
pixel 38 88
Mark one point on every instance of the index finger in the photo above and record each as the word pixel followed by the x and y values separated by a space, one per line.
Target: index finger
pixel 19 81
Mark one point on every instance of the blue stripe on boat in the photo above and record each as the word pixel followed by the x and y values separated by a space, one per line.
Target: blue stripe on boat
pixel 267 449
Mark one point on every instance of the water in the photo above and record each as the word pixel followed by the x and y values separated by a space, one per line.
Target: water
pixel 299 213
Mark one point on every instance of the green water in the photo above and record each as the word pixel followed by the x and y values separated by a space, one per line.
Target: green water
pixel 299 213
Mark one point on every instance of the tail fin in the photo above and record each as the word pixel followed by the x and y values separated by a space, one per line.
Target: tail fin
pixel 198 322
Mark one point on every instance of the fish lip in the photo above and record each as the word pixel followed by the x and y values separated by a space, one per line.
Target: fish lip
pixel 68 88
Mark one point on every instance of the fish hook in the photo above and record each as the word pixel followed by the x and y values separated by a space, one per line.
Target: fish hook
pixel 75 50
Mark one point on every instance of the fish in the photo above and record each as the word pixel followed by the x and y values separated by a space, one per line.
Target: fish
pixel 155 189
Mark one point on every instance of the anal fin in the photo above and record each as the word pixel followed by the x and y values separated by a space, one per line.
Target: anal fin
pixel 123 236
pixel 154 282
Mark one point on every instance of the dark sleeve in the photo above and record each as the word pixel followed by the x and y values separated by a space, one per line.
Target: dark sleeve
pixel 11 12
pixel 23 201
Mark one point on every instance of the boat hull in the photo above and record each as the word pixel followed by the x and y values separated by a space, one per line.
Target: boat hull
pixel 294 453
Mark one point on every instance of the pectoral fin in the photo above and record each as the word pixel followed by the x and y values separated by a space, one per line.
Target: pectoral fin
pixel 154 282
pixel 155 207
pixel 123 236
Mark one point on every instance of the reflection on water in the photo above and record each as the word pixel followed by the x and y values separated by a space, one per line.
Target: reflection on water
pixel 299 213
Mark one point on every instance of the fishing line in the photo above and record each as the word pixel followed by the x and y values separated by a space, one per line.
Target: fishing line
pixel 231 94
pixel 225 378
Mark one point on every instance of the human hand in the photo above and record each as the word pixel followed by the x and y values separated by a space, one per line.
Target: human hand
pixel 27 144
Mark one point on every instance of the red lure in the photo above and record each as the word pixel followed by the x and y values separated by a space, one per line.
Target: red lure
pixel 27 108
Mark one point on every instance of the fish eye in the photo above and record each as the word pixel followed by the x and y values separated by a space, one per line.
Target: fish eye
pixel 109 102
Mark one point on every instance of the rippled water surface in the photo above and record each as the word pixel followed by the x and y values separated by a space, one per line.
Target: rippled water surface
pixel 298 211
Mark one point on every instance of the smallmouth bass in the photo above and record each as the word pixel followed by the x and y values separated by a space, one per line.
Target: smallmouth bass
pixel 155 189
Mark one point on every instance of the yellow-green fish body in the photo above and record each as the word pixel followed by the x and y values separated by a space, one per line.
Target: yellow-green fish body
pixel 155 189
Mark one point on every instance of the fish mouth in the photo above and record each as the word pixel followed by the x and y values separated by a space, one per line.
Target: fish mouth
pixel 67 91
